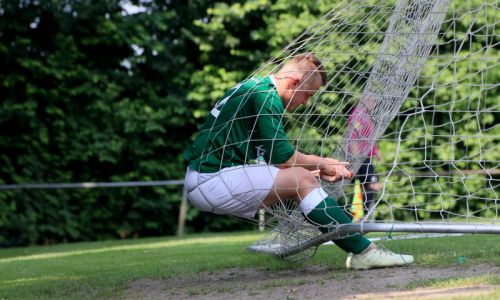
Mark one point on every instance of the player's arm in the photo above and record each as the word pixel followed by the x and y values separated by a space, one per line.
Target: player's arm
pixel 281 154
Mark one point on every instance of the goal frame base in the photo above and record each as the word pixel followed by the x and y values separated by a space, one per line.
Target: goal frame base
pixel 362 228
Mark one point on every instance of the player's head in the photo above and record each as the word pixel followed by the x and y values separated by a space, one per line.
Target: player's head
pixel 299 79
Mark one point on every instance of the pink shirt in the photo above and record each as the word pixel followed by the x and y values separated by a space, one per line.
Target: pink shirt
pixel 362 135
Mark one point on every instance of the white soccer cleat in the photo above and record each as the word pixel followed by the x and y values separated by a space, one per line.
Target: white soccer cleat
pixel 377 257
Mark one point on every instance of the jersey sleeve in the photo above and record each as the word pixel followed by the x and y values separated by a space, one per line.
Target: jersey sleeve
pixel 271 133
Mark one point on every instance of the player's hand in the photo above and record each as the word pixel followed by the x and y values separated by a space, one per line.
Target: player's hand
pixel 333 170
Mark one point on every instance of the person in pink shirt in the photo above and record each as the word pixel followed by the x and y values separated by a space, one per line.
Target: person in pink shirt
pixel 362 143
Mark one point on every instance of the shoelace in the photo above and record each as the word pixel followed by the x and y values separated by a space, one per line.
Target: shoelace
pixel 387 251
pixel 384 249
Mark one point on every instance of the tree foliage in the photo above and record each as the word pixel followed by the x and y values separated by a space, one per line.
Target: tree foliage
pixel 91 93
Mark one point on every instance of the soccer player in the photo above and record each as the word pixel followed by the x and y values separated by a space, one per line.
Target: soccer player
pixel 362 143
pixel 241 160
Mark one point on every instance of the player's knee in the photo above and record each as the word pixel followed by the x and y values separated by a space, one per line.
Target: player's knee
pixel 307 181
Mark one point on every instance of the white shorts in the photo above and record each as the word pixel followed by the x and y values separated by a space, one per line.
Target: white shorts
pixel 236 191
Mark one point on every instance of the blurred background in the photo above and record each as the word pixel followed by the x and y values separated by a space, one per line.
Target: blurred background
pixel 111 91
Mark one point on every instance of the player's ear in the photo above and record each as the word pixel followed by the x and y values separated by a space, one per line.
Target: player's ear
pixel 295 83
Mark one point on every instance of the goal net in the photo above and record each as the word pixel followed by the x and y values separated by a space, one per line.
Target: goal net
pixel 424 75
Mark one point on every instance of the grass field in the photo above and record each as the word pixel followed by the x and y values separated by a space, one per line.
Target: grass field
pixel 109 269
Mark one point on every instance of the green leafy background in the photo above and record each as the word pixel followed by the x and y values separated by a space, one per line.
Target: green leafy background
pixel 89 93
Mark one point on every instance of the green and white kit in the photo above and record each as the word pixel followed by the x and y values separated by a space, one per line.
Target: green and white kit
pixel 244 127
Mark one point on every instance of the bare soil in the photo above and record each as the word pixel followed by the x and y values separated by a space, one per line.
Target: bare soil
pixel 313 282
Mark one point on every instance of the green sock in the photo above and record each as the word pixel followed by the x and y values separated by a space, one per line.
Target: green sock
pixel 328 212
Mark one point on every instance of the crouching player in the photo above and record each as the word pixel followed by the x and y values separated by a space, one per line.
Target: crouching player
pixel 241 159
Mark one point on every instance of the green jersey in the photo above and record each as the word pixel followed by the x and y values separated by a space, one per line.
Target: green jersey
pixel 244 127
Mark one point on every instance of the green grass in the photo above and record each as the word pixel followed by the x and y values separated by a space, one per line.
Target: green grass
pixel 459 282
pixel 105 269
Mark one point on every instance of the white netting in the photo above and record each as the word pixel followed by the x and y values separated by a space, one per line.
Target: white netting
pixel 425 75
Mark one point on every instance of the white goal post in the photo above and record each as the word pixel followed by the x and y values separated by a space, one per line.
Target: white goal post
pixel 427 74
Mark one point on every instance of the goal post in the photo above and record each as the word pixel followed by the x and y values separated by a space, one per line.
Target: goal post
pixel 426 74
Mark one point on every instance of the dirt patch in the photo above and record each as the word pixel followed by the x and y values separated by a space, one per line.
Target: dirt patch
pixel 312 282
pixel 429 293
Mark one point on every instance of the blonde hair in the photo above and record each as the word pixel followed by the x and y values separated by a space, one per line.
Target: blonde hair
pixel 308 65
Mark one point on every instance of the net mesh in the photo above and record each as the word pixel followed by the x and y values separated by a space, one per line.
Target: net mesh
pixel 420 81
